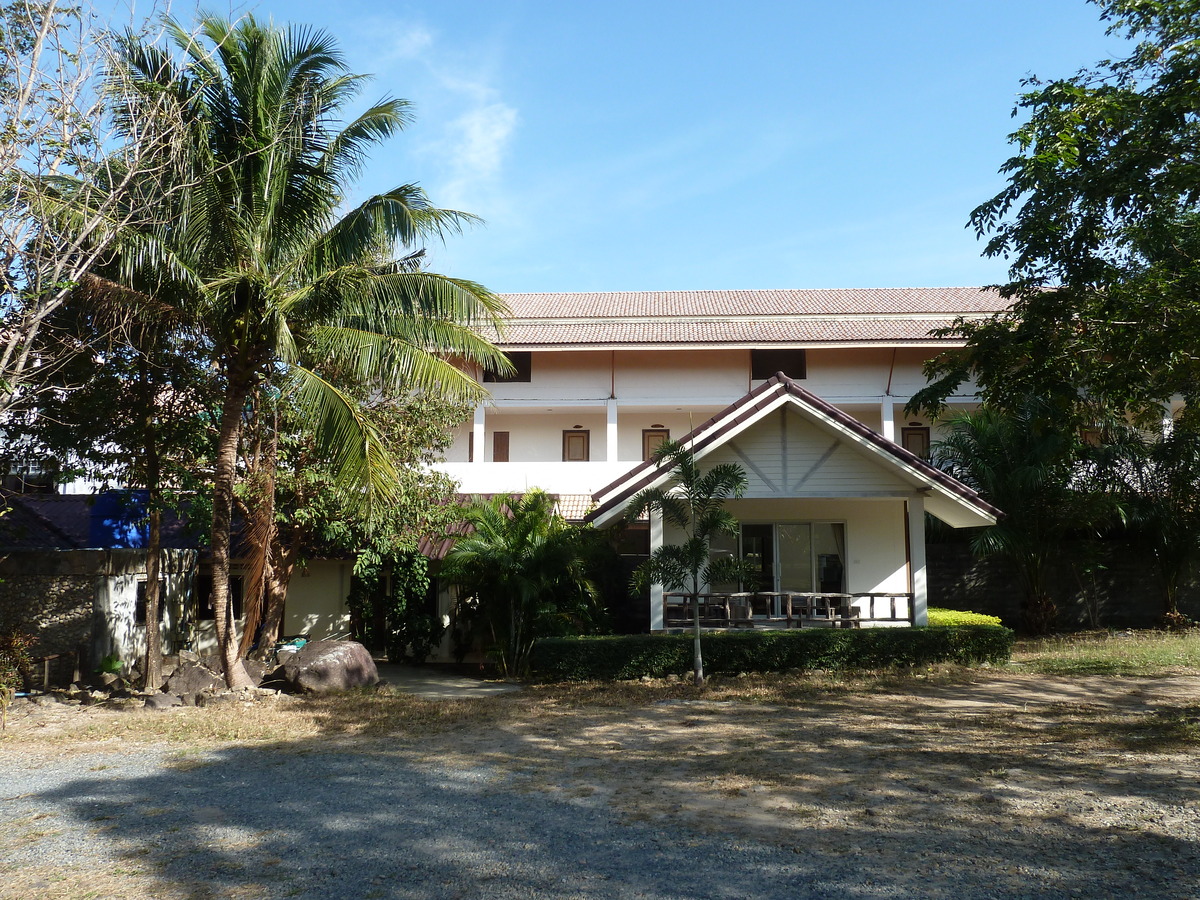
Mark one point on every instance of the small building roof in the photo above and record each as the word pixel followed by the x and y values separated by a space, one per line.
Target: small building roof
pixel 946 497
pixel 781 318
pixel 104 521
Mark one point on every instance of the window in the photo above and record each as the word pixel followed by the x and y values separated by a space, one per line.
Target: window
pixel 139 609
pixel 576 445
pixel 471 445
pixel 522 361
pixel 766 363
pixel 204 610
pixel 499 446
pixel 915 439
pixel 651 438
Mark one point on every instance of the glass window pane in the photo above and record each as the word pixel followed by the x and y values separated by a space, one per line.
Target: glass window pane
pixel 795 557
pixel 830 546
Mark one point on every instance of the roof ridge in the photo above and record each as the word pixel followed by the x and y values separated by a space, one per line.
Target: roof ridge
pixel 955 287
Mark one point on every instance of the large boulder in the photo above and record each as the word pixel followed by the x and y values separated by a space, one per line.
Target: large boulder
pixel 192 678
pixel 321 666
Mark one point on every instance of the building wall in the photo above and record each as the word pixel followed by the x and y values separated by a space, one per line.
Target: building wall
pixel 876 555
pixel 316 606
pixel 316 600
pixel 84 601
pixel 676 389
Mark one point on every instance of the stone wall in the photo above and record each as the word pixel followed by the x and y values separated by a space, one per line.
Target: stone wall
pixel 1123 592
pixel 83 602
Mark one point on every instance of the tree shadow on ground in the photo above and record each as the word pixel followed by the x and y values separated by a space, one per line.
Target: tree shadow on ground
pixel 681 796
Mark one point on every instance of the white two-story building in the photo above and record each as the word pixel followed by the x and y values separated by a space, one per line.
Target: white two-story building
pixel 805 389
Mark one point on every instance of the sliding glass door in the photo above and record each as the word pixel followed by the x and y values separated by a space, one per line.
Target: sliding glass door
pixel 788 556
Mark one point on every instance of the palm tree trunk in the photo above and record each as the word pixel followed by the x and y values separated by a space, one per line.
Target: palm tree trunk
pixel 697 657
pixel 152 669
pixel 280 565
pixel 152 679
pixel 227 447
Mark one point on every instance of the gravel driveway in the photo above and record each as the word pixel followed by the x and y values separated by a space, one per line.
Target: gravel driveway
pixel 671 798
pixel 329 825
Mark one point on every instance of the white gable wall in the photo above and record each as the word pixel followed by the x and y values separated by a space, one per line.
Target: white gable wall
pixel 785 455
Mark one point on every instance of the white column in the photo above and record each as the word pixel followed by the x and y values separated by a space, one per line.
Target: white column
pixel 611 434
pixel 479 431
pixel 656 590
pixel 888 415
pixel 916 560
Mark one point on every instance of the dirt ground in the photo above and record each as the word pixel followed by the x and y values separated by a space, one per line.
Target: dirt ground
pixel 1044 781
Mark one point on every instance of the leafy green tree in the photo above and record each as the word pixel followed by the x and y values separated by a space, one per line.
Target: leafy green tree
pixel 1033 471
pixel 1156 482
pixel 1101 224
pixel 258 254
pixel 296 508
pixel 522 574
pixel 128 412
pixel 693 502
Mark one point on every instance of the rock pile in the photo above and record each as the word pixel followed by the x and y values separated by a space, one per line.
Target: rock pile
pixel 191 680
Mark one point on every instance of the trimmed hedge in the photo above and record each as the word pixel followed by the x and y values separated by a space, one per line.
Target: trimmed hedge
pixel 621 657
pixel 940 618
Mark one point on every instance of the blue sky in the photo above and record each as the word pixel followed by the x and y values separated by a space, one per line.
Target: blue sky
pixel 694 145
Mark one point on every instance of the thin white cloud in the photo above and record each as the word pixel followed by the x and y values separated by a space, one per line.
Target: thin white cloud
pixel 406 41
pixel 474 147
pixel 466 126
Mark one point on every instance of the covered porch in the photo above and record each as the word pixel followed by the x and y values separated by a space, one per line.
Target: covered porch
pixel 787 609
pixel 832 522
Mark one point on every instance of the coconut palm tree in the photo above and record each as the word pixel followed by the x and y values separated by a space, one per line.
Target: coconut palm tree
pixel 285 284
pixel 694 502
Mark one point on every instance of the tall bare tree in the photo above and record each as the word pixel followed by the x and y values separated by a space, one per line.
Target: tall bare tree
pixel 56 138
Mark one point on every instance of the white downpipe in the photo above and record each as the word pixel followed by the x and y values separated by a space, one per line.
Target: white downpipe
pixel 610 447
pixel 656 590
pixel 916 557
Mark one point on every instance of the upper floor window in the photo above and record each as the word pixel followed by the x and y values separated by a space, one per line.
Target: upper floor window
pixel 766 363
pixel 499 446
pixel 522 361
pixel 651 438
pixel 915 439
pixel 576 446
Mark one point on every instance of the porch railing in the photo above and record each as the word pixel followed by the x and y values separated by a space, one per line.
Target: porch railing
pixel 788 609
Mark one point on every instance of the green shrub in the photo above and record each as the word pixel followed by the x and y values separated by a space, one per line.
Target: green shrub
pixel 941 618
pixel 619 657
pixel 16 663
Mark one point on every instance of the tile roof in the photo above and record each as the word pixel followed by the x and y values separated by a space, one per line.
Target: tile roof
pixel 615 495
pixel 641 318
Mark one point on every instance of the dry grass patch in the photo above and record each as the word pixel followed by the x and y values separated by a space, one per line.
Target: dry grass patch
pixel 369 714
pixel 1145 653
